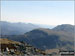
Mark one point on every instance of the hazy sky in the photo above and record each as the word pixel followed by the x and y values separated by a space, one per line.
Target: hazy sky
pixel 39 12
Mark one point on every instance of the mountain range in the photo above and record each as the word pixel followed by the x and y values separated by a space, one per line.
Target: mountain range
pixel 19 28
pixel 8 28
pixel 60 37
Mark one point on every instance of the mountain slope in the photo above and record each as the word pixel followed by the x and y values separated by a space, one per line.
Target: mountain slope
pixel 8 28
pixel 6 41
pixel 49 39
pixel 15 28
pixel 46 39
pixel 65 27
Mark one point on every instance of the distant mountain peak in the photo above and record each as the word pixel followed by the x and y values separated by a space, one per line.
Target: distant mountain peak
pixel 65 27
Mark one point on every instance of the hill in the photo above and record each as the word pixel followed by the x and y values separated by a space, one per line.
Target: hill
pixel 65 27
pixel 6 41
pixel 49 39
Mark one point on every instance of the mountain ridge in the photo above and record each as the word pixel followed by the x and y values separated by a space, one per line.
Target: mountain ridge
pixel 65 27
pixel 45 38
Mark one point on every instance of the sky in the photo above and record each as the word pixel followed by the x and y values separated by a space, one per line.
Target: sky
pixel 38 12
